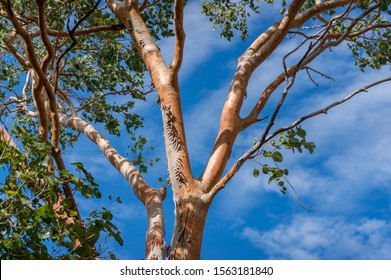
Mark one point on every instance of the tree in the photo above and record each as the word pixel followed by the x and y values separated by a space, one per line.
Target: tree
pixel 68 66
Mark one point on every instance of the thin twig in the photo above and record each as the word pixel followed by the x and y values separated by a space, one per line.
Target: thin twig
pixel 255 148
pixel 325 109
pixel 308 69
pixel 74 40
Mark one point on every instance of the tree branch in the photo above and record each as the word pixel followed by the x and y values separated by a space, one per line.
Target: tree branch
pixel 5 137
pixel 239 163
pixel 151 198
pixel 179 43
pixel 275 40
pixel 325 109
pixel 8 42
pixel 44 35
pixel 231 123
pixel 81 32
pixel 318 47
pixel 169 95
pixel 320 8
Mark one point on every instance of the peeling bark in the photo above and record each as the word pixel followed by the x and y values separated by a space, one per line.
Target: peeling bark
pixel 167 88
pixel 190 215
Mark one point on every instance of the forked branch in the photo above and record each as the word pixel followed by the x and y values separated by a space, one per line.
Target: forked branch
pixel 239 163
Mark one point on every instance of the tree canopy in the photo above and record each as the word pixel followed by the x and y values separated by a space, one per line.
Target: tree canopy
pixel 78 68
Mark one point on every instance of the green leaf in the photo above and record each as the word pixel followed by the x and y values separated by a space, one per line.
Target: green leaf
pixel 45 234
pixel 78 164
pixel 86 192
pixel 230 16
pixel 310 146
pixel 256 172
pixel 73 213
pixel 278 173
pixel 301 132
pixel 277 156
pixel 119 239
pixel 107 215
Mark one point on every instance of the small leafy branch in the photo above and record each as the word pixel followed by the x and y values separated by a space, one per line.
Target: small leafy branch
pixel 137 147
pixel 293 139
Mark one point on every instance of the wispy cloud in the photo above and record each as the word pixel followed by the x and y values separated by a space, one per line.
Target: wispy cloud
pixel 308 237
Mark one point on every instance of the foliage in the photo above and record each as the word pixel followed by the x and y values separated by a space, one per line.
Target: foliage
pixel 294 140
pixel 100 66
pixel 230 16
pixel 30 228
pixel 373 53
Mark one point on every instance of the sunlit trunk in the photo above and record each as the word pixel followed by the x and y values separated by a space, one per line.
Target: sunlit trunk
pixel 191 212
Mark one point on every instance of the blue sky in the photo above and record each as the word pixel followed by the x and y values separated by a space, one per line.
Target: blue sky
pixel 348 178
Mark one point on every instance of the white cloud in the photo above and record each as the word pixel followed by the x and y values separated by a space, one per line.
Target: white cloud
pixel 309 237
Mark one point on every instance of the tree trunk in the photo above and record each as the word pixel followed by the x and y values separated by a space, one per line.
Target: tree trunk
pixel 190 217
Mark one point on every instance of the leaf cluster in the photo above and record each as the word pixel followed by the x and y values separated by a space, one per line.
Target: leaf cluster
pixel 373 52
pixel 294 140
pixel 137 149
pixel 31 228
pixel 230 15
pixel 159 19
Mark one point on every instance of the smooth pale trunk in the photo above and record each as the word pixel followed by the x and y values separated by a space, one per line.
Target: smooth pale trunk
pixel 191 212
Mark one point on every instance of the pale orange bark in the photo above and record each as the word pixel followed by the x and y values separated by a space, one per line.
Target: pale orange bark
pixel 231 122
pixel 191 211
pixel 167 89
pixel 151 198
pixel 179 44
